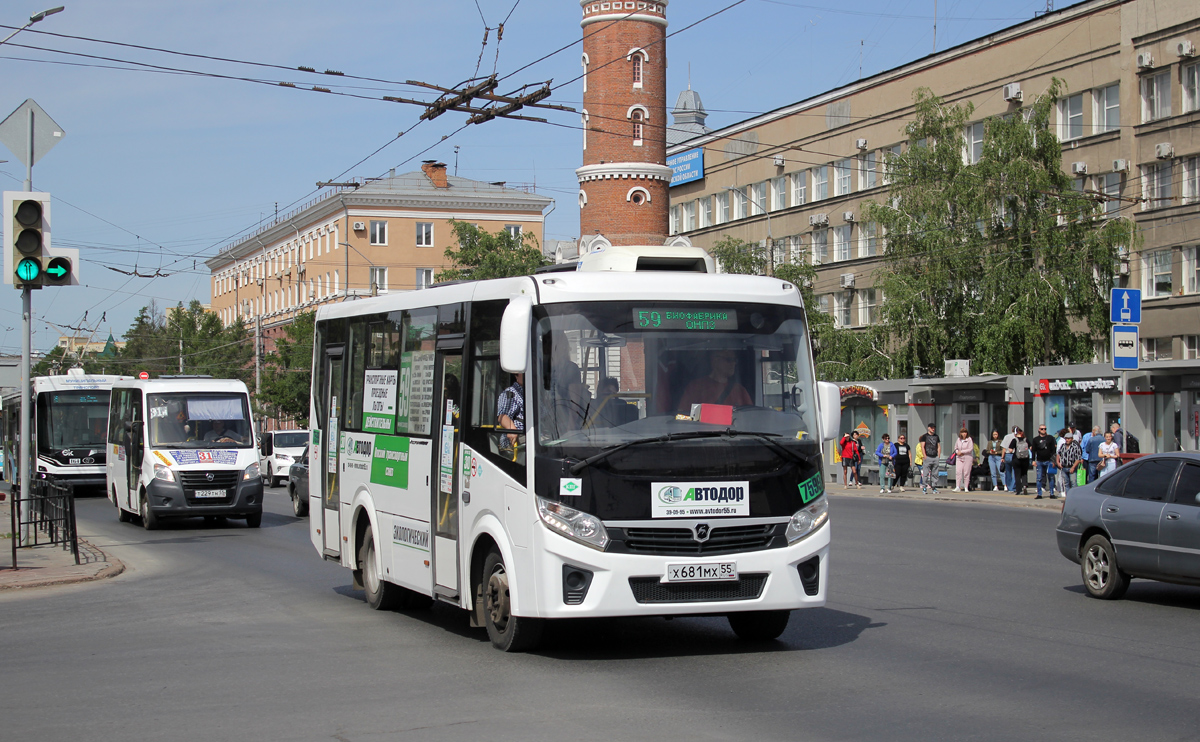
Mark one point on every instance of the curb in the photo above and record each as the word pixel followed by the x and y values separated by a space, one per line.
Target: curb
pixel 1028 503
pixel 114 567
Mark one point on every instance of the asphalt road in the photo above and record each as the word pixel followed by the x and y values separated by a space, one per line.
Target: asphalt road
pixel 944 622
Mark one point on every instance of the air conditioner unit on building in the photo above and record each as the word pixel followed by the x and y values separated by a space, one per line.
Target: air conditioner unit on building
pixel 1012 91
pixel 847 280
pixel 958 368
pixel 1164 151
pixel 848 216
pixel 818 220
pixel 1120 166
pixel 1185 48
pixel 1079 168
pixel 300 269
pixel 360 226
pixel 1145 61
pixel 1123 268
pixel 860 143
pixel 779 161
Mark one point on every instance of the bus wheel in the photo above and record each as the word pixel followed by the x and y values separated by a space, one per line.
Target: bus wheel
pixel 381 594
pixel 123 516
pixel 149 519
pixel 759 626
pixel 254 521
pixel 508 633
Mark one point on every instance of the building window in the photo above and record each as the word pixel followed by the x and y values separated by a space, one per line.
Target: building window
pixel 823 304
pixel 1156 349
pixel 378 280
pixel 820 246
pixel 758 198
pixel 1106 115
pixel 800 188
pixel 1157 272
pixel 1191 180
pixel 1110 185
pixel 1191 87
pixel 637 127
pixel 1156 96
pixel 1191 269
pixel 424 278
pixel 514 231
pixel 704 212
pixel 868 240
pixel 1070 117
pixel 1156 184
pixel 820 189
pixel 842 302
pixel 890 155
pixel 866 306
pixel 637 70
pixel 688 213
pixel 674 226
pixel 842 177
pixel 424 234
pixel 841 242
pixel 721 214
pixel 1191 347
pixel 866 171
pixel 739 203
pixel 779 193
pixel 974 143
pixel 796 249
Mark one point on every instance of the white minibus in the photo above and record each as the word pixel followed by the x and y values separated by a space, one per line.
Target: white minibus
pixel 183 447
pixel 570 445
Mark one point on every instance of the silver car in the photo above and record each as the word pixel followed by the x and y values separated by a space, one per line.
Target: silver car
pixel 1142 520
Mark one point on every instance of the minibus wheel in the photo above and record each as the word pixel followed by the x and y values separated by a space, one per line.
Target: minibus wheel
pixel 759 626
pixel 508 633
pixel 123 515
pixel 149 519
pixel 254 521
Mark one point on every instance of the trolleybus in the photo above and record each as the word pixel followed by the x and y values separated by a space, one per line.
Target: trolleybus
pixel 574 445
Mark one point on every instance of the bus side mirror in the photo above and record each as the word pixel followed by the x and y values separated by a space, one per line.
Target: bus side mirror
pixel 829 405
pixel 514 334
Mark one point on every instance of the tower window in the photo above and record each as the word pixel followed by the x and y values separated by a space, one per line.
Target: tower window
pixel 637 128
pixel 637 70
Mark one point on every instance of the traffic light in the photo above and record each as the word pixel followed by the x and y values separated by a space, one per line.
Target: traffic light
pixel 27 230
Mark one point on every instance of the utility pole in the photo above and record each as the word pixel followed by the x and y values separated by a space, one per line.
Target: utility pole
pixel 257 355
pixel 181 355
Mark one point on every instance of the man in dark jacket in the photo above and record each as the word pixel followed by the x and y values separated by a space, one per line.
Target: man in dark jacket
pixel 1044 448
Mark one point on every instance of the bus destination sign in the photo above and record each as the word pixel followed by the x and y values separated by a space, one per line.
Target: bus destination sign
pixel 685 319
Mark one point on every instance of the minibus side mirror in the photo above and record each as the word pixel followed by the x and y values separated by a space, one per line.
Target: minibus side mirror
pixel 829 405
pixel 514 334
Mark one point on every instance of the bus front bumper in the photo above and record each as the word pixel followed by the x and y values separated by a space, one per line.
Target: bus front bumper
pixel 632 584
pixel 168 500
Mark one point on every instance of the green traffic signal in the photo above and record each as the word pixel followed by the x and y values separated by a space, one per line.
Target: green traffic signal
pixel 58 271
pixel 28 270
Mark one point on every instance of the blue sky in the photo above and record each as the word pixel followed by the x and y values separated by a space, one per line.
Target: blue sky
pixel 158 170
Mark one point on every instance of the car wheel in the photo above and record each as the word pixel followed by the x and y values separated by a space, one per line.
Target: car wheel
pixel 149 519
pixel 508 633
pixel 381 594
pixel 254 521
pixel 759 626
pixel 275 481
pixel 299 504
pixel 1102 576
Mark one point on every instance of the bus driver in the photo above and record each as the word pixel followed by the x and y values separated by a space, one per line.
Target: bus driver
pixel 720 386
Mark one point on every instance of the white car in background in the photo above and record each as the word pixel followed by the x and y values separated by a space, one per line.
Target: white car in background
pixel 277 450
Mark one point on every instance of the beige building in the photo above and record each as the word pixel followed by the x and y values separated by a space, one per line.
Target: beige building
pixel 385 235
pixel 1128 123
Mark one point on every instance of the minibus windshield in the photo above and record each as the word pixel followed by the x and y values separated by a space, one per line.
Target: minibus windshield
pixel 612 373
pixel 199 420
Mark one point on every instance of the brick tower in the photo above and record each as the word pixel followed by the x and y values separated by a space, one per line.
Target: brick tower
pixel 624 179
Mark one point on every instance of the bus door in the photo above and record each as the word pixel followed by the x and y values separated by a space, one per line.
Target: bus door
pixel 134 435
pixel 331 446
pixel 445 491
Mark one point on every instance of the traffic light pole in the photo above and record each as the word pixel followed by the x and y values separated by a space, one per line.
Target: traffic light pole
pixel 26 402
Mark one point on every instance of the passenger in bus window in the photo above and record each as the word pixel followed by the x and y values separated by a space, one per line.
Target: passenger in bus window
pixel 221 435
pixel 720 386
pixel 510 408
pixel 174 428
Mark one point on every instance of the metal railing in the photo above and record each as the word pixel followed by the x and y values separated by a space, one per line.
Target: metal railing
pixel 46 518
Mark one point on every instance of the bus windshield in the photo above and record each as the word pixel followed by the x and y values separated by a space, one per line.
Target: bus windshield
pixel 199 420
pixel 612 373
pixel 75 420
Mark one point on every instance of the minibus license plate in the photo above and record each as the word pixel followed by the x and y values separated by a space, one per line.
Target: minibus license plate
pixel 210 493
pixel 713 572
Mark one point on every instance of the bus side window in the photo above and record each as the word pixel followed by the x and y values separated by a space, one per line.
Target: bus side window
pixel 487 382
pixel 355 379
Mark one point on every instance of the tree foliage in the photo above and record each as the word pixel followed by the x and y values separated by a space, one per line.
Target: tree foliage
pixel 287 371
pixel 480 254
pixel 1001 261
pixel 152 344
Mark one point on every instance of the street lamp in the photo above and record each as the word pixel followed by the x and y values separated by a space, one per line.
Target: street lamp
pixel 770 241
pixel 34 19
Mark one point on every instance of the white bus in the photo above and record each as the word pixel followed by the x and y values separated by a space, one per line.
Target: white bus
pixel 69 417
pixel 183 447
pixel 667 460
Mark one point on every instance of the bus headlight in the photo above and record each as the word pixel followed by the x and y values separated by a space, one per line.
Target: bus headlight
pixel 572 523
pixel 808 520
pixel 251 472
pixel 164 473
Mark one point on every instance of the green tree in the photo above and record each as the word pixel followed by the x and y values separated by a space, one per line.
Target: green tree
pixel 156 341
pixel 287 377
pixel 992 255
pixel 480 254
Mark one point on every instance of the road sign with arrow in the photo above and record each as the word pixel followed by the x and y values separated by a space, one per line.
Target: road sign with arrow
pixel 1125 306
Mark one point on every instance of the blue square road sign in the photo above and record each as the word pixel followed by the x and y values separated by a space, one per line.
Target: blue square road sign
pixel 1125 348
pixel 1125 306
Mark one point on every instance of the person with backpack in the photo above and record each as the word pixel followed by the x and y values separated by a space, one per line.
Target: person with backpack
pixel 931 446
pixel 885 454
pixel 1020 462
pixel 1091 452
pixel 1044 448
pixel 1010 475
pixel 848 449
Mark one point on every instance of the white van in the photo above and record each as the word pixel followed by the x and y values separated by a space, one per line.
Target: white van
pixel 277 450
pixel 182 447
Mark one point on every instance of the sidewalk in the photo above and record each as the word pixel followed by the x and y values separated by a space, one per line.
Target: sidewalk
pixel 986 497
pixel 49 565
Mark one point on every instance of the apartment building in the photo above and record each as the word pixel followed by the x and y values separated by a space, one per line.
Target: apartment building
pixel 389 234
pixel 1128 122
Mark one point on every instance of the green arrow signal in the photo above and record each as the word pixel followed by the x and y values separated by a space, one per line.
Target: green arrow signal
pixel 28 270
pixel 57 271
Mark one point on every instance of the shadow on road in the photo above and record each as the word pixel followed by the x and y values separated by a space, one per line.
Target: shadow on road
pixel 1154 593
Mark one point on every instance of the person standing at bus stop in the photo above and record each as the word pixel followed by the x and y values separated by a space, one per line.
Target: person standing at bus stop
pixel 931 446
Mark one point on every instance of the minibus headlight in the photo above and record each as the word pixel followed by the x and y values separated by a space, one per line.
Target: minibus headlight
pixel 805 521
pixel 164 473
pixel 251 472
pixel 572 523
pixel 282 457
